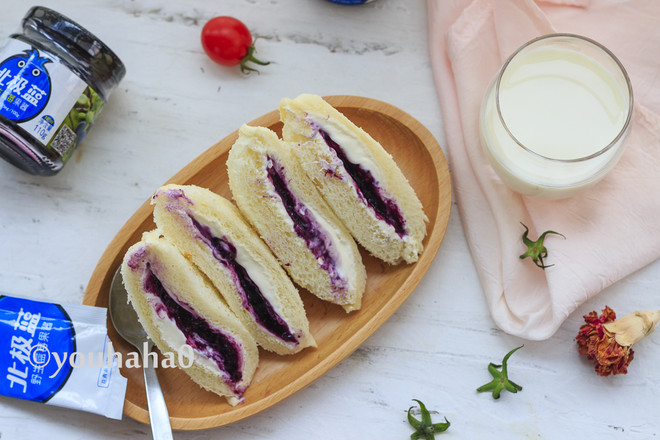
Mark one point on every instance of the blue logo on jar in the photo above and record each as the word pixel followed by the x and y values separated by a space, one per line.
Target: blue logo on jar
pixel 24 86
pixel 35 339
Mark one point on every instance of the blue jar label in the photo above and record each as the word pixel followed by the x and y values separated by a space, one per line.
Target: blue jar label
pixel 44 97
pixel 25 85
pixel 35 339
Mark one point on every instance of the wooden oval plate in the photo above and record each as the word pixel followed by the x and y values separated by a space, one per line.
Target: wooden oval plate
pixel 337 333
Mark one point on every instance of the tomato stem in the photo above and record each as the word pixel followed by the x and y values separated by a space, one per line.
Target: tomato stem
pixel 251 58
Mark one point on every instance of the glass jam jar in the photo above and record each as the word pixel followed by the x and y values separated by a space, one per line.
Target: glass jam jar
pixel 55 77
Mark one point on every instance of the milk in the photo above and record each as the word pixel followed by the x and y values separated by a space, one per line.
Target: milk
pixel 566 103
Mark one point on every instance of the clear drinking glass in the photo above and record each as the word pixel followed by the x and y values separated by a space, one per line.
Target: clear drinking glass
pixel 555 117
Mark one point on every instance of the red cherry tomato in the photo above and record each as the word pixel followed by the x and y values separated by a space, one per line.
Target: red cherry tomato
pixel 228 41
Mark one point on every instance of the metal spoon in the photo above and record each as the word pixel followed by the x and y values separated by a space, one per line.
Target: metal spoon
pixel 126 323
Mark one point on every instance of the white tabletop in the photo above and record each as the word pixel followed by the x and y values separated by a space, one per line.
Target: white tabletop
pixel 173 104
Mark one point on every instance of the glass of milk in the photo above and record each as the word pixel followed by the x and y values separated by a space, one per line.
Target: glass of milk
pixel 555 118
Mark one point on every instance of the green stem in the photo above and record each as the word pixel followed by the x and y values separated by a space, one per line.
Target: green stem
pixel 251 58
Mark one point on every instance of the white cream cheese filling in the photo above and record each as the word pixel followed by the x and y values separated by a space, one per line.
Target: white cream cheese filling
pixel 356 153
pixel 253 268
pixel 351 145
pixel 339 248
pixel 174 337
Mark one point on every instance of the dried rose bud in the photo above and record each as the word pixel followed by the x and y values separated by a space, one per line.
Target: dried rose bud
pixel 608 341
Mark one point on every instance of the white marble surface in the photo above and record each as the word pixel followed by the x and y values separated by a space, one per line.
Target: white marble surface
pixel 175 103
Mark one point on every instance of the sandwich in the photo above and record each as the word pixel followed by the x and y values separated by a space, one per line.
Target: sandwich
pixel 210 231
pixel 277 197
pixel 357 177
pixel 179 309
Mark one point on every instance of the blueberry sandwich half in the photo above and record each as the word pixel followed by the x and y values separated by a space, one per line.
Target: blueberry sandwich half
pixel 281 202
pixel 178 307
pixel 357 177
pixel 211 232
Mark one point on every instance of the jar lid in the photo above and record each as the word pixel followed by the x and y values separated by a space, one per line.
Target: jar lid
pixel 104 63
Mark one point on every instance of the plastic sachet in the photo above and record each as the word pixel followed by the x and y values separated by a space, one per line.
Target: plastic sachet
pixel 59 354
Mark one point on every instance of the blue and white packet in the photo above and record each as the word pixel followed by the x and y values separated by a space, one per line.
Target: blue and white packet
pixel 59 355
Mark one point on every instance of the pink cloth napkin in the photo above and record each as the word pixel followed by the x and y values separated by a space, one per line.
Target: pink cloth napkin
pixel 612 229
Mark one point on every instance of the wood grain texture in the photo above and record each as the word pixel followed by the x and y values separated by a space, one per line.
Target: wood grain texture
pixel 337 333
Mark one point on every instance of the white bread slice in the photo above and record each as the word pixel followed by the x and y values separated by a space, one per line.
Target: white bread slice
pixel 373 198
pixel 271 189
pixel 211 231
pixel 177 306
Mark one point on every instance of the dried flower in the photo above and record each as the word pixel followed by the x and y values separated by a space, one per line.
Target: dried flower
pixel 425 428
pixel 500 378
pixel 608 341
pixel 535 249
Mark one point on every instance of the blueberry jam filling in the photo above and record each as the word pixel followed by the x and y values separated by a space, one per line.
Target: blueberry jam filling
pixel 210 342
pixel 304 224
pixel 253 299
pixel 385 208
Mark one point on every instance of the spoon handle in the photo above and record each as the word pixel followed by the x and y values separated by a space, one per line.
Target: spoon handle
pixel 158 416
